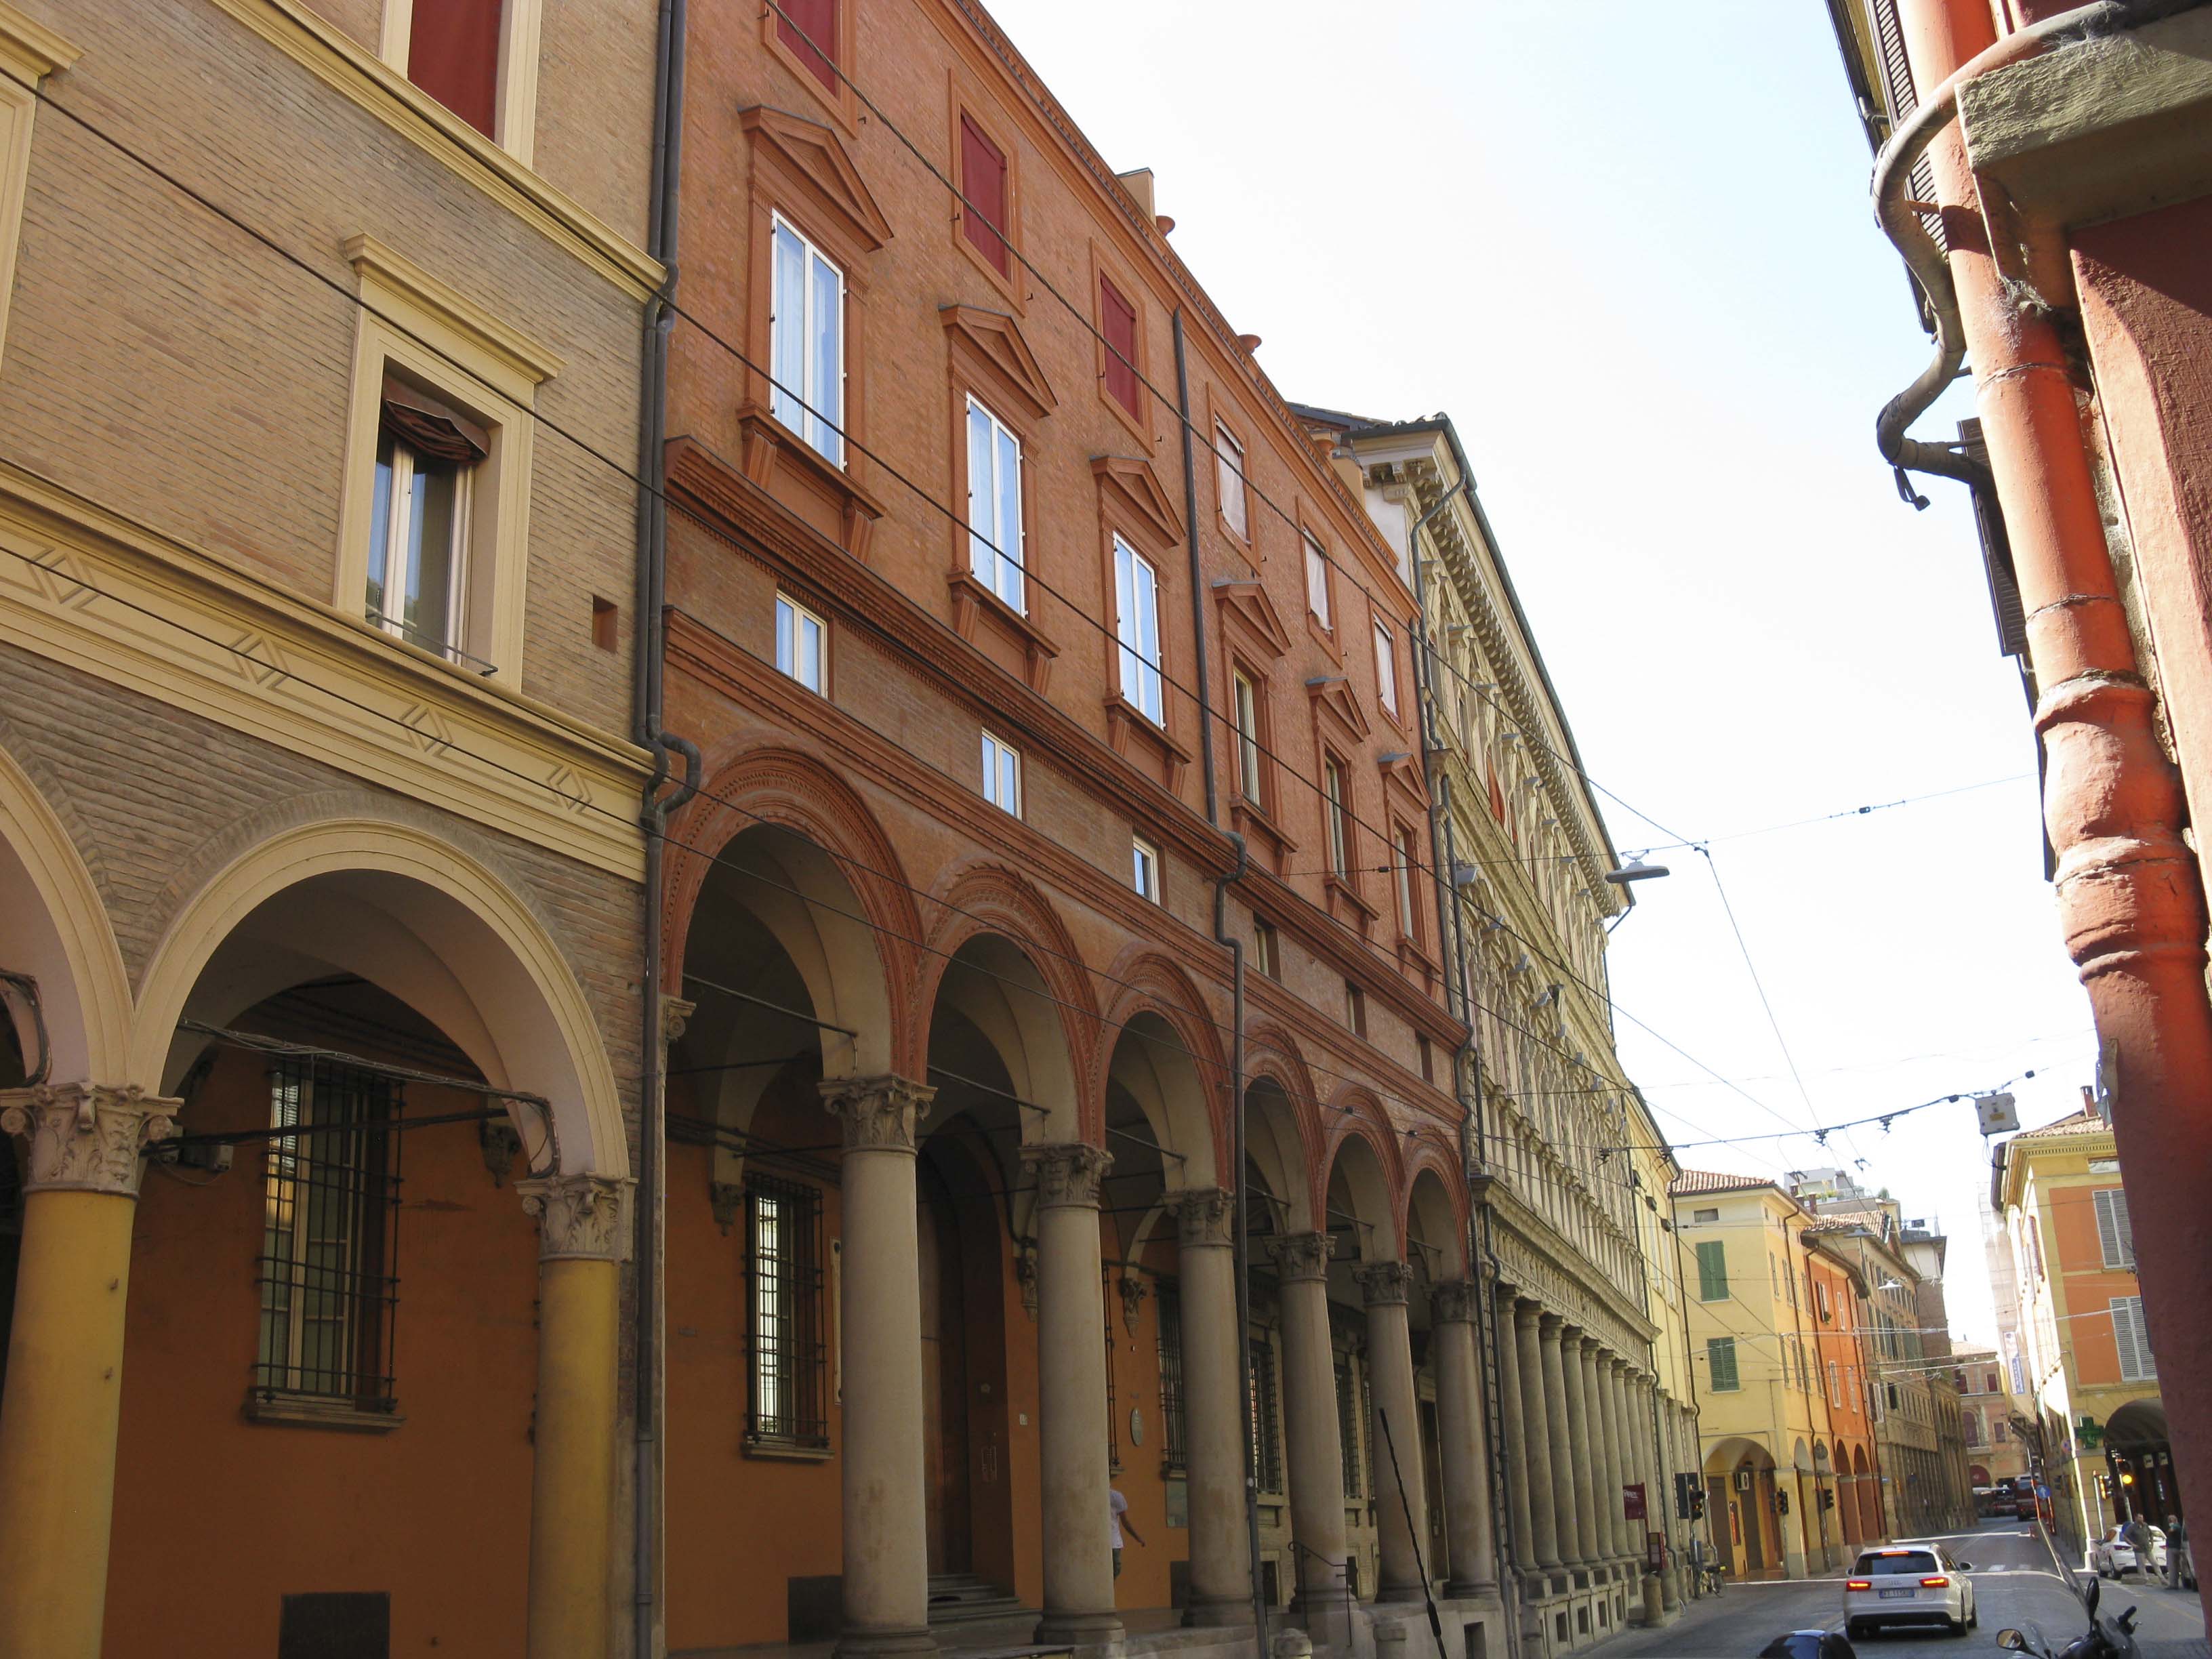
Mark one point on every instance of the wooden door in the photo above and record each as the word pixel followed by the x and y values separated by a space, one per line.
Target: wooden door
pixel 944 1378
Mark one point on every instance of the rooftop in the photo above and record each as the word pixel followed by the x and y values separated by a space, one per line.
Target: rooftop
pixel 2083 1123
pixel 1710 1181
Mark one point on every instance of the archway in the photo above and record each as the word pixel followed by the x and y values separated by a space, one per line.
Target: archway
pixel 1867 1486
pixel 1739 1482
pixel 2141 1458
pixel 1279 1170
pixel 1435 1252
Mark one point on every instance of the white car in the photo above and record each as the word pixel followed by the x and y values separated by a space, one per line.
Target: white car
pixel 2113 1557
pixel 1909 1584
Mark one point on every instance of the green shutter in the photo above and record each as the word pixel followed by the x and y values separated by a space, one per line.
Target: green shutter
pixel 1720 1363
pixel 1713 1271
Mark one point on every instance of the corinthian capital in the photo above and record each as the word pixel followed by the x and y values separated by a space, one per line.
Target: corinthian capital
pixel 1205 1216
pixel 1453 1302
pixel 1068 1173
pixel 580 1218
pixel 879 1113
pixel 1303 1255
pixel 1382 1283
pixel 86 1137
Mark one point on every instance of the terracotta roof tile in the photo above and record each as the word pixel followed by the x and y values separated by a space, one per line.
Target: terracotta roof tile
pixel 1708 1181
pixel 2083 1123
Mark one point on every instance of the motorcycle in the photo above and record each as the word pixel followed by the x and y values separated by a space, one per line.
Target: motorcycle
pixel 2106 1639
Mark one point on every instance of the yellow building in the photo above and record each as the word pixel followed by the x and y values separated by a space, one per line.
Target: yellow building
pixel 2101 1431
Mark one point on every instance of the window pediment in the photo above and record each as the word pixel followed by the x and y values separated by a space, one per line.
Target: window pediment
pixel 993 339
pixel 1247 603
pixel 1331 694
pixel 1133 483
pixel 817 159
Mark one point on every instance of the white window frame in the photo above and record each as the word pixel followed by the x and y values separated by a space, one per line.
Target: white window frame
pixel 1137 627
pixel 1228 486
pixel 1244 704
pixel 1318 580
pixel 1145 868
pixel 995 554
pixel 1403 860
pixel 792 619
pixel 1002 774
pixel 398 531
pixel 1335 815
pixel 795 399
pixel 1386 670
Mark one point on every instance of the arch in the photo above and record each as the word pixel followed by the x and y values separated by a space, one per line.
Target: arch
pixel 1281 1148
pixel 56 929
pixel 1800 1459
pixel 423 920
pixel 2139 1423
pixel 1432 1220
pixel 995 992
pixel 1361 1172
pixel 1737 1451
pixel 1168 1055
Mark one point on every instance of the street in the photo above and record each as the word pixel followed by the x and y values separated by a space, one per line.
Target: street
pixel 2015 1583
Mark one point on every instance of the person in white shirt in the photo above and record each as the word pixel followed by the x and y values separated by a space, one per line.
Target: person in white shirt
pixel 1117 1518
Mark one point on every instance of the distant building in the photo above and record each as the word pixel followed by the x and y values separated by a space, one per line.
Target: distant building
pixel 1994 1449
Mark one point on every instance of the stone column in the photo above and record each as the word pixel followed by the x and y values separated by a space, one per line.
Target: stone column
pixel 1540 1407
pixel 1317 1450
pixel 1403 1575
pixel 85 1142
pixel 1636 1432
pixel 1079 1553
pixel 1575 1450
pixel 1670 1457
pixel 1604 1448
pixel 1213 1409
pixel 584 1232
pixel 1462 1449
pixel 887 1538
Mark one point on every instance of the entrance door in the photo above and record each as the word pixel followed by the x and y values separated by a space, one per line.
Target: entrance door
pixel 944 1377
pixel 1755 1527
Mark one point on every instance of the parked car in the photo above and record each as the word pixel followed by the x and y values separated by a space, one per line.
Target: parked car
pixel 2113 1557
pixel 1909 1584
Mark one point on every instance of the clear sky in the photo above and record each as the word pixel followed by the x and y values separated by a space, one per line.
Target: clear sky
pixel 1627 249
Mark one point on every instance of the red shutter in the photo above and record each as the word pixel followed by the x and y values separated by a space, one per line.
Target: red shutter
pixel 983 182
pixel 1117 321
pixel 809 27
pixel 452 54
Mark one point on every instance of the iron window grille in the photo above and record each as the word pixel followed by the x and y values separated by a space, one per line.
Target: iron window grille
pixel 1267 1437
pixel 784 1315
pixel 1169 1311
pixel 329 1264
pixel 1347 1427
pixel 1112 1410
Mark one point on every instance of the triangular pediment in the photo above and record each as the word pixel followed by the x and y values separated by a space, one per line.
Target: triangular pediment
pixel 997 340
pixel 1248 603
pixel 820 160
pixel 1139 489
pixel 1331 692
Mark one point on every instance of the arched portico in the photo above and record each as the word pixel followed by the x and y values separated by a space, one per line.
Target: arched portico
pixel 1740 1480
pixel 1446 1304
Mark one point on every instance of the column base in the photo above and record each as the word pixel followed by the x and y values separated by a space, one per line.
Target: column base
pixel 1464 1589
pixel 875 1644
pixel 1218 1611
pixel 1079 1630
pixel 1386 1593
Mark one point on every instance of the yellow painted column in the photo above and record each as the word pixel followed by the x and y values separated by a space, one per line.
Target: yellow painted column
pixel 65 1385
pixel 584 1236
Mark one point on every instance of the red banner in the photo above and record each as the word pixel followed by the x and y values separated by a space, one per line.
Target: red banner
pixel 1631 1502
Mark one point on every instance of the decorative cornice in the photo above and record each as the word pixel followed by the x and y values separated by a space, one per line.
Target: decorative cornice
pixel 1384 1284
pixel 86 1137
pixel 1302 1255
pixel 675 1018
pixel 879 1113
pixel 817 155
pixel 582 1217
pixel 995 340
pixel 1067 1173
pixel 1454 1301
pixel 1206 1217
pixel 528 363
pixel 1144 497
pixel 31 49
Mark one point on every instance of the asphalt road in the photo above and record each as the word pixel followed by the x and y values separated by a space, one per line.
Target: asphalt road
pixel 2015 1583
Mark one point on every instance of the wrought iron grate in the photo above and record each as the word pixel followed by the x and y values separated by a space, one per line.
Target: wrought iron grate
pixel 1170 1312
pixel 783 1232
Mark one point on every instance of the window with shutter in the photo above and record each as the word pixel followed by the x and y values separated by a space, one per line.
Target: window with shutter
pixel 2132 1338
pixel 452 54
pixel 2115 1237
pixel 1720 1363
pixel 1903 98
pixel 1117 321
pixel 1712 1271
pixel 983 182
pixel 809 27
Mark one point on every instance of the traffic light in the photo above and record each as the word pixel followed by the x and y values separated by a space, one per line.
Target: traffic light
pixel 1682 1496
pixel 1828 1498
pixel 1697 1499
pixel 2105 1487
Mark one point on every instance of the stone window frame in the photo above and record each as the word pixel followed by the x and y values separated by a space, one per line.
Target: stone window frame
pixel 521 29
pixel 410 320
pixel 842 102
pixel 1012 284
pixel 29 52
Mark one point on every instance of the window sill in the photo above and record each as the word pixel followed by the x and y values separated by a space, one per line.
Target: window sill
pixel 1252 822
pixel 1346 904
pixel 1130 729
pixel 974 603
pixel 785 1451
pixel 1324 636
pixel 301 1411
pixel 775 455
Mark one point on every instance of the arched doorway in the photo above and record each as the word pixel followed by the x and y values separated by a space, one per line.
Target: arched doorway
pixel 1740 1483
pixel 2141 1459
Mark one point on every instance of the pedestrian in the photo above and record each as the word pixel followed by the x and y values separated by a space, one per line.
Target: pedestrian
pixel 1117 1519
pixel 2180 1566
pixel 2136 1537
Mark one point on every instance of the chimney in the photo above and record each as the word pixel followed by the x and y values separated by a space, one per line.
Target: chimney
pixel 1138 183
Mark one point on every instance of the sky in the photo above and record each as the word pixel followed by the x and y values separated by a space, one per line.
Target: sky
pixel 1627 249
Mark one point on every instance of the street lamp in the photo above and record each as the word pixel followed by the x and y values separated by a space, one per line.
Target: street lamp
pixel 1637 870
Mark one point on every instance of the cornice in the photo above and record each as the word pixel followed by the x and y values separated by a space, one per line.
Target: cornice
pixel 366 81
pixel 527 363
pixel 1335 945
pixel 30 48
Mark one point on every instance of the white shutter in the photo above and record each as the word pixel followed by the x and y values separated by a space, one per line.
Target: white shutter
pixel 2114 1235
pixel 2132 1338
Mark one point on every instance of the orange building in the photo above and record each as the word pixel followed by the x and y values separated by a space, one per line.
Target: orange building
pixel 1851 1501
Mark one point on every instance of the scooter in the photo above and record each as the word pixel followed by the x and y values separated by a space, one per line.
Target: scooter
pixel 2106 1639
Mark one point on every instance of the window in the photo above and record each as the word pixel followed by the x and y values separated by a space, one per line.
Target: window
pixel 1245 700
pixel 2115 1237
pixel 994 507
pixel 1835 1383
pixel 452 54
pixel 799 637
pixel 1318 582
pixel 1996 1428
pixel 1267 1430
pixel 1267 949
pixel 1229 481
pixel 1427 1053
pixel 1137 624
pixel 1145 867
pixel 1712 1271
pixel 1701 1217
pixel 806 343
pixel 2132 1337
pixel 1973 1422
pixel 329 1243
pixel 1355 1008
pixel 1117 322
pixel 784 1320
pixel 1347 1428
pixel 983 219
pixel 426 458
pixel 1002 775
pixel 809 27
pixel 1169 1308
pixel 1408 918
pixel 1720 1363
pixel 1386 670
pixel 1339 830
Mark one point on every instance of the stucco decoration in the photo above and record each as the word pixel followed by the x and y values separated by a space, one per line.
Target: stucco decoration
pixel 86 1137
pixel 1206 1217
pixel 1067 1173
pixel 1303 1255
pixel 1384 1283
pixel 1453 1302
pixel 579 1217
pixel 879 1113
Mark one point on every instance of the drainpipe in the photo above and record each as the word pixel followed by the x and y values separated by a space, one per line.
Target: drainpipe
pixel 1241 1246
pixel 647 644
pixel 2131 894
